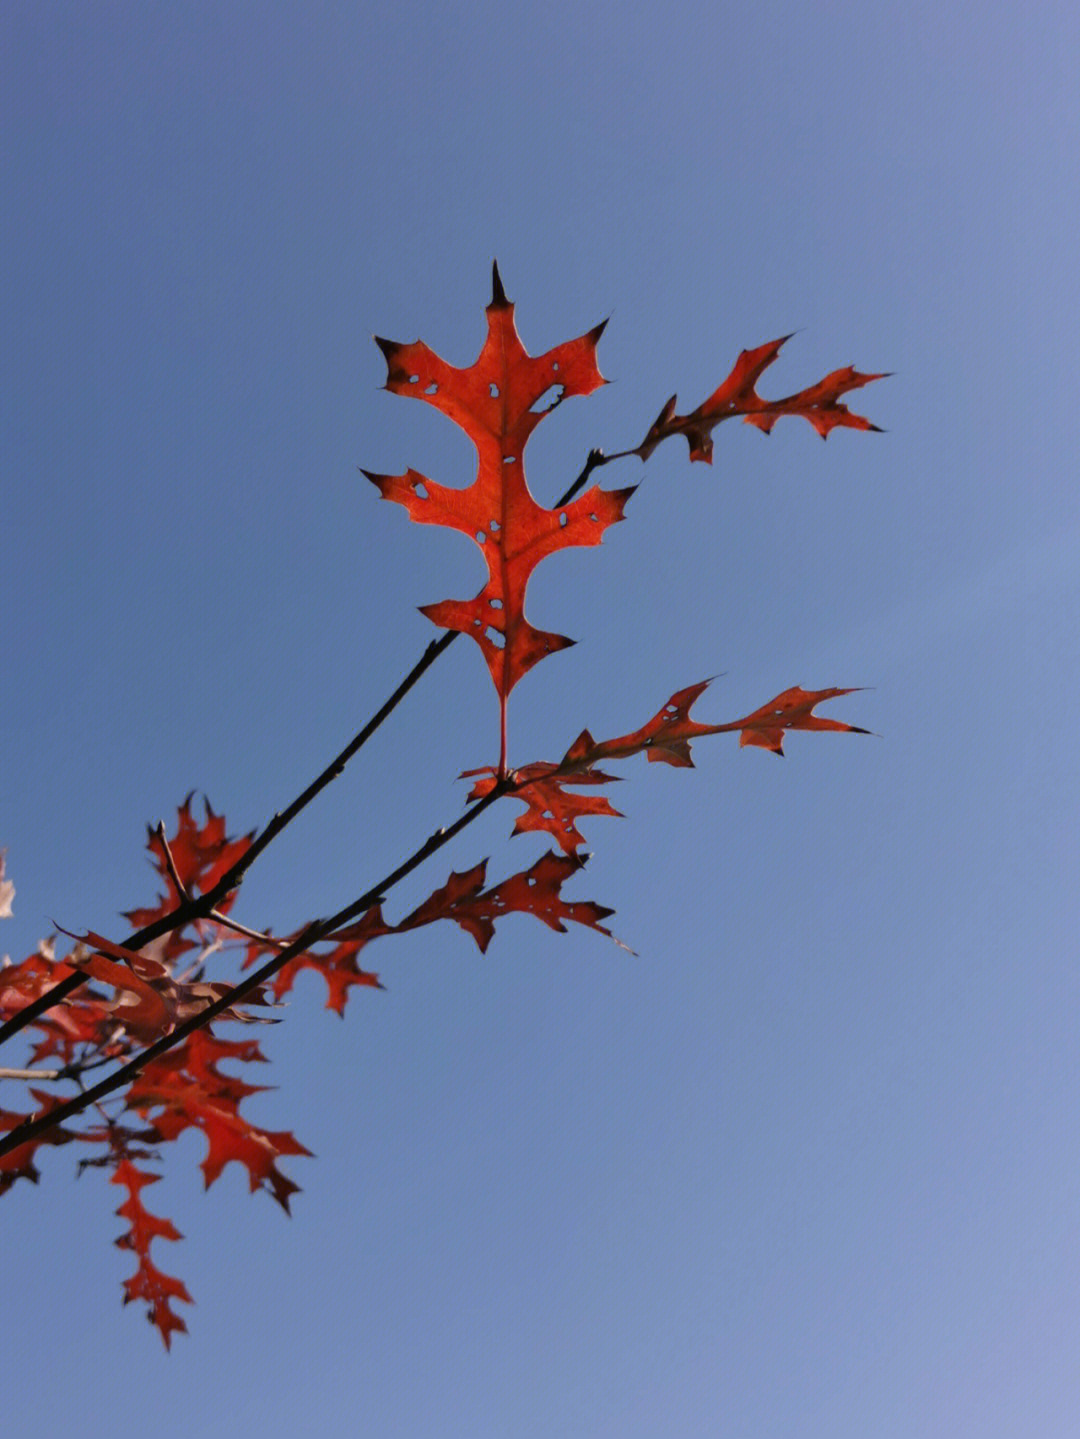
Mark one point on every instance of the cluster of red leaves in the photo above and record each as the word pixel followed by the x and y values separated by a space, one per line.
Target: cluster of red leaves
pixel 496 401
pixel 130 998
pixel 139 996
pixel 464 901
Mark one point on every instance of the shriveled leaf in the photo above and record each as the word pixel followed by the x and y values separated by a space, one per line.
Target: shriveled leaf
pixel 149 1001
pixel 7 889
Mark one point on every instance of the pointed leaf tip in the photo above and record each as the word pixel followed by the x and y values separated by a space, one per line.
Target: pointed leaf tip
pixel 498 294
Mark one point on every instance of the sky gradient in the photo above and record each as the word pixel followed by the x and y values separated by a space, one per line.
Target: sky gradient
pixel 806 1166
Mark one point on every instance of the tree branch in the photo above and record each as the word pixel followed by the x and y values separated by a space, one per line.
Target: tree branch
pixel 317 930
pixel 191 907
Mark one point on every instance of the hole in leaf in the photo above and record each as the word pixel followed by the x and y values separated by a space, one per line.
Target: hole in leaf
pixel 548 400
pixel 594 519
pixel 432 389
pixel 548 814
pixel 495 604
pixel 562 519
pixel 481 538
pixel 477 624
pixel 494 389
pixel 494 526
pixel 420 489
pixel 414 379
pixel 554 364
pixel 497 638
pixel 509 459
pixel 531 880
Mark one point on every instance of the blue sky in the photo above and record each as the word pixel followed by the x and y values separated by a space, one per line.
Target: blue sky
pixel 806 1166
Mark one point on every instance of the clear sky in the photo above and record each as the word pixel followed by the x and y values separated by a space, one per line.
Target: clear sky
pixel 808 1167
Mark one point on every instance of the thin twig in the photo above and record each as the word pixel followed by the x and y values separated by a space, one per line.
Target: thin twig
pixel 311 934
pixel 33 1075
pixel 246 930
pixel 170 863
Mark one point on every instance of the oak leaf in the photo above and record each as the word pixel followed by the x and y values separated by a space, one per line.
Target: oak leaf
pixel 202 853
pixel 819 404
pixel 184 1089
pixel 495 402
pixel 464 900
pixel 550 791
pixel 148 1283
pixel 19 1163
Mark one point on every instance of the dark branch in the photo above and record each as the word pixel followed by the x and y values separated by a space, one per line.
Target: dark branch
pixel 312 934
pixel 200 906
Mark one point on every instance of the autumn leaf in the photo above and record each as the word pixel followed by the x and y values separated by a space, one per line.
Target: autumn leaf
pixel 19 1163
pixel 794 709
pixel 464 900
pixel 157 1291
pixel 184 1089
pixel 150 1001
pixel 202 853
pixel 550 791
pixel 819 404
pixel 550 807
pixel 7 889
pixel 496 401
pixel 64 1027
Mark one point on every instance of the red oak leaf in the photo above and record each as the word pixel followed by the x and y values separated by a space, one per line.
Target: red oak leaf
pixel 820 404
pixel 535 891
pixel 185 1089
pixel 148 1283
pixel 549 790
pixel 202 854
pixel 495 402
pixel 19 1163
pixel 464 900
pixel 65 1027
pixel 550 807
pixel 791 710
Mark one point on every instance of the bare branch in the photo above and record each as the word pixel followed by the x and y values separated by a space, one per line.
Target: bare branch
pixel 170 863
